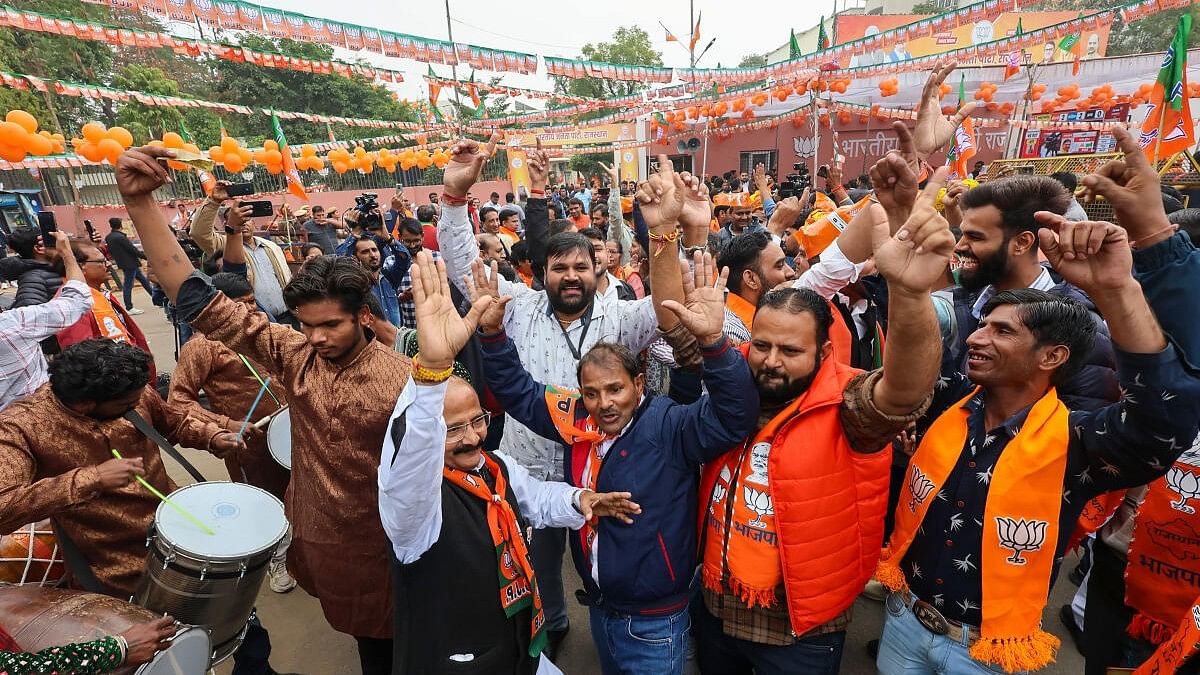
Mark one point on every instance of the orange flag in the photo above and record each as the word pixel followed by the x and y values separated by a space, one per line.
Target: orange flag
pixel 295 185
pixel 1168 127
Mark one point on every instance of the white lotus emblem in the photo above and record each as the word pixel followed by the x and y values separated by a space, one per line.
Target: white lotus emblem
pixel 804 146
pixel 1187 485
pixel 1020 536
pixel 758 501
pixel 920 486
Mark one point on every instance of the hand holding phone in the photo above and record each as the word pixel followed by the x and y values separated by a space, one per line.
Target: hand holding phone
pixel 259 208
pixel 48 227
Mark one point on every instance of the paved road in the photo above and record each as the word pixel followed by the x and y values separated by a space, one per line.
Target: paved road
pixel 304 643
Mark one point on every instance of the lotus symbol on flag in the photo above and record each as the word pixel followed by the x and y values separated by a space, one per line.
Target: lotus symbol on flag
pixel 758 501
pixel 1187 485
pixel 1019 536
pixel 719 492
pixel 920 486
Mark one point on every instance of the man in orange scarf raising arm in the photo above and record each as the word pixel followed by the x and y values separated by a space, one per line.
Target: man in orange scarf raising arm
pixel 999 479
pixel 793 517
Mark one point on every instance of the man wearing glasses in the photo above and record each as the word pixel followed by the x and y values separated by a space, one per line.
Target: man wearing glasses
pixel 108 318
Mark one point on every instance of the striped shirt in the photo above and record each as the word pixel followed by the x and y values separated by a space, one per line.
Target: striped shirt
pixel 23 368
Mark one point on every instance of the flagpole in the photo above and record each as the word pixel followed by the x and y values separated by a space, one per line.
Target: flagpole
pixel 454 70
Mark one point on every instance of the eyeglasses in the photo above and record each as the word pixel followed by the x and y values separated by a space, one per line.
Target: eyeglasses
pixel 479 424
pixel 101 261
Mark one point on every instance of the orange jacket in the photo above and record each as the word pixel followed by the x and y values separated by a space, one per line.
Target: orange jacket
pixel 829 502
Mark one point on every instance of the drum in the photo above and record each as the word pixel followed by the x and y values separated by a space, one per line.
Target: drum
pixel 279 438
pixel 31 556
pixel 212 580
pixel 40 618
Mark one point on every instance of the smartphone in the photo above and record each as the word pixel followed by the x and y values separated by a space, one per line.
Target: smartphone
pixel 48 226
pixel 90 230
pixel 823 171
pixel 259 208
pixel 240 189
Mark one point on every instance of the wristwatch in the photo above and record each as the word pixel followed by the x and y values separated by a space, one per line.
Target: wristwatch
pixel 575 500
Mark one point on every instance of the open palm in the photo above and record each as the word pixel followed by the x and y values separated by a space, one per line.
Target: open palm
pixel 441 332
pixel 481 286
pixel 703 309
pixel 933 130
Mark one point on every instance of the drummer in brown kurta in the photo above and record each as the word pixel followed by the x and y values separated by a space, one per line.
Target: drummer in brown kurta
pixel 341 386
pixel 52 454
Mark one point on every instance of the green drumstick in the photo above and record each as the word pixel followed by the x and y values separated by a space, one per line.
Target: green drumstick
pixel 166 501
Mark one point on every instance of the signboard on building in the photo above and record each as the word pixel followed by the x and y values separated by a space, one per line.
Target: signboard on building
pixel 1051 142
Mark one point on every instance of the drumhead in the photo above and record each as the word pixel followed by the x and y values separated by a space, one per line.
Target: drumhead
pixel 188 654
pixel 279 438
pixel 246 519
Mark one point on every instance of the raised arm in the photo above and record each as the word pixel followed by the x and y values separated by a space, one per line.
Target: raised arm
pixel 911 260
pixel 1136 439
pixel 138 175
pixel 234 257
pixel 73 301
pixel 537 214
pixel 203 227
pixel 662 204
pixel 456 237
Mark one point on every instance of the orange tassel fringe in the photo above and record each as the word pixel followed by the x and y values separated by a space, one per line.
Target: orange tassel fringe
pixel 1017 654
pixel 1148 629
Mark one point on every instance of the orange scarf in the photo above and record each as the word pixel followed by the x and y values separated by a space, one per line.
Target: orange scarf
pixel 1179 648
pixel 1020 533
pixel 561 405
pixel 107 319
pixel 742 547
pixel 742 308
pixel 518 586
pixel 1163 572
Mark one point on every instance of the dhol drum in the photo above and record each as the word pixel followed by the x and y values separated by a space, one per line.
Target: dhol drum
pixel 212 580
pixel 40 618
pixel 279 438
pixel 31 556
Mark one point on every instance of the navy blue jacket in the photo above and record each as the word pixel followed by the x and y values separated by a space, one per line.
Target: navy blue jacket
pixel 1168 273
pixel 646 567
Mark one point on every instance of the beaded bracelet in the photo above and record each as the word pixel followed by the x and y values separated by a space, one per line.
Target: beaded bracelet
pixel 426 376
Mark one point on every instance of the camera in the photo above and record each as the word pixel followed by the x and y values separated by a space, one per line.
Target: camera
pixel 367 205
pixel 796 182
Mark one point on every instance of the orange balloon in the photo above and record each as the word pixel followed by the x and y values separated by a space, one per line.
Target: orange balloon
pixel 270 144
pixel 274 169
pixel 308 150
pixel 273 156
pixel 93 131
pixel 11 154
pixel 172 140
pixel 39 145
pixel 12 134
pixel 24 119
pixel 368 168
pixel 341 167
pixel 109 149
pixel 229 144
pixel 120 135
pixel 216 154
pixel 244 154
pixel 234 163
pixel 316 163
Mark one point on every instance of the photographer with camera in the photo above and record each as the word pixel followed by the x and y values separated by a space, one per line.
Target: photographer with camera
pixel 385 258
pixel 267 268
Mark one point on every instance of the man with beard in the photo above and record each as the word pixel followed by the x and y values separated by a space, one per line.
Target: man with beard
pixel 552 330
pixel 340 386
pixel 813 479
pixel 998 252
pixel 455 513
pixel 386 273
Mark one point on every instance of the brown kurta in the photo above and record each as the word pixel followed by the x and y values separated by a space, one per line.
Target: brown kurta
pixel 231 388
pixel 48 460
pixel 339 553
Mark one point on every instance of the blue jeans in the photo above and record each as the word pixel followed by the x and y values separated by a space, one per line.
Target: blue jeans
pixel 130 276
pixel 640 645
pixel 908 647
pixel 720 654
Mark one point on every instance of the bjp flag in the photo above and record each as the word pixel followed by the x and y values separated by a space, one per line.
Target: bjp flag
pixel 1168 127
pixel 294 184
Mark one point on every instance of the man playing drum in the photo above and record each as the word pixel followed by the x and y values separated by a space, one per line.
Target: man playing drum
pixel 231 383
pixel 341 386
pixel 56 462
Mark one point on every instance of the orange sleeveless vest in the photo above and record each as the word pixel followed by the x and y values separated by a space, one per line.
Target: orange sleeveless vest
pixel 827 560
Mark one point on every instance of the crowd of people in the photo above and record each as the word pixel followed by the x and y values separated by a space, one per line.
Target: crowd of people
pixel 738 410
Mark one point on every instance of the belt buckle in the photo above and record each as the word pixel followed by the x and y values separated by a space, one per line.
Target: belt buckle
pixel 931 618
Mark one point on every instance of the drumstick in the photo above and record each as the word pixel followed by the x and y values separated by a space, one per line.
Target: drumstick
pixel 166 501
pixel 258 377
pixel 254 405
